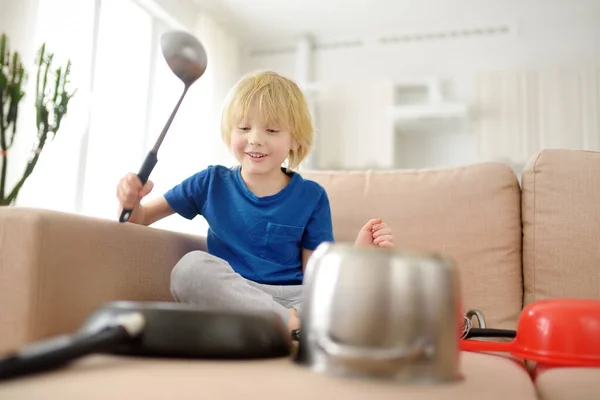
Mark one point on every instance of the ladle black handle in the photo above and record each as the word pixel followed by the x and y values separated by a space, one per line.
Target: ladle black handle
pixel 144 174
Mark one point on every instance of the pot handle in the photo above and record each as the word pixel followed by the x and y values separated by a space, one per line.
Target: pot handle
pixel 479 315
pixel 357 353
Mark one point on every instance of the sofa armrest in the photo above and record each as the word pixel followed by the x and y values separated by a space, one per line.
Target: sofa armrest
pixel 55 268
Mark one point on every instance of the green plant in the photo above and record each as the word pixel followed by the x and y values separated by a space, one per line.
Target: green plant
pixel 51 102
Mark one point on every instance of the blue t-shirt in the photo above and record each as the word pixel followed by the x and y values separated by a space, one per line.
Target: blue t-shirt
pixel 261 237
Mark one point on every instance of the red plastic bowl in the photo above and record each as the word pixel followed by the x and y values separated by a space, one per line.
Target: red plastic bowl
pixel 559 331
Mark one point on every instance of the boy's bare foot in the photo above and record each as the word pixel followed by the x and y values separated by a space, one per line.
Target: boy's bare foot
pixel 293 320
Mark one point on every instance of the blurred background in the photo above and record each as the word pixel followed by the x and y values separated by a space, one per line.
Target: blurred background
pixel 392 84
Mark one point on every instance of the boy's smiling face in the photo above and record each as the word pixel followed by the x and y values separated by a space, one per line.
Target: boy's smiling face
pixel 260 146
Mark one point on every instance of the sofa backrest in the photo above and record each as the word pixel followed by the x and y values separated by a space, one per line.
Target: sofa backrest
pixel 561 225
pixel 470 213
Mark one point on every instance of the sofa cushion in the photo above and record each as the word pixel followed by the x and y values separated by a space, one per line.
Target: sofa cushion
pixel 470 213
pixel 567 383
pixel 102 377
pixel 561 225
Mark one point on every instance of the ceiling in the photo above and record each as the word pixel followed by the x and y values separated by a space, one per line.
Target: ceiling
pixel 266 23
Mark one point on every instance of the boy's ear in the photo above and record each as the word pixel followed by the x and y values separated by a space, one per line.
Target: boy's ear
pixel 295 145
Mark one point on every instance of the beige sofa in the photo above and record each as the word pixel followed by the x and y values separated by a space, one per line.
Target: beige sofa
pixel 514 244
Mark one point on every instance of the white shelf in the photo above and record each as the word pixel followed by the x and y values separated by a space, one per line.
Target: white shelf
pixel 422 100
pixel 428 111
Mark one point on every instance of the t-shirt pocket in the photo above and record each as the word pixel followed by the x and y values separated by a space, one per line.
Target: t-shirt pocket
pixel 282 244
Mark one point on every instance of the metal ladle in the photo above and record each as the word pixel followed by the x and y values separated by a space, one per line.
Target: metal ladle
pixel 187 58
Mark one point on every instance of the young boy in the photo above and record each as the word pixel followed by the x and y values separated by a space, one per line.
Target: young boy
pixel 264 219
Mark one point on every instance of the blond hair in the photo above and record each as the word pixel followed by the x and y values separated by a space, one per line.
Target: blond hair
pixel 279 100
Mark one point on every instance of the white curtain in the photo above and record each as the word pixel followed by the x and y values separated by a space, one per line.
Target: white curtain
pixel 119 107
pixel 126 93
pixel 523 111
pixel 66 28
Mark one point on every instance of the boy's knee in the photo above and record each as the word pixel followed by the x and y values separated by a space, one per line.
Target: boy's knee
pixel 193 270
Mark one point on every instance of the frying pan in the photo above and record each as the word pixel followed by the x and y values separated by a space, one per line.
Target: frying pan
pixel 561 331
pixel 157 329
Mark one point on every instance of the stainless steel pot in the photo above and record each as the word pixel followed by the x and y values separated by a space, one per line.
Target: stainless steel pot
pixel 385 313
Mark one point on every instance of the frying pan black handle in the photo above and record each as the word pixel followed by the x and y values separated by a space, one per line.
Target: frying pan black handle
pixel 57 352
pixel 144 174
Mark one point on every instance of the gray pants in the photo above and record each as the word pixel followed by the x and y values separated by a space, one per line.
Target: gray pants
pixel 203 279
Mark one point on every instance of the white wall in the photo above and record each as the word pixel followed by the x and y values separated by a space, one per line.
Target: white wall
pixel 182 14
pixel 436 145
pixel 548 34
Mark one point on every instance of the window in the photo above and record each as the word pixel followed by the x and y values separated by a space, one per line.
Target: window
pixel 126 93
pixel 121 84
